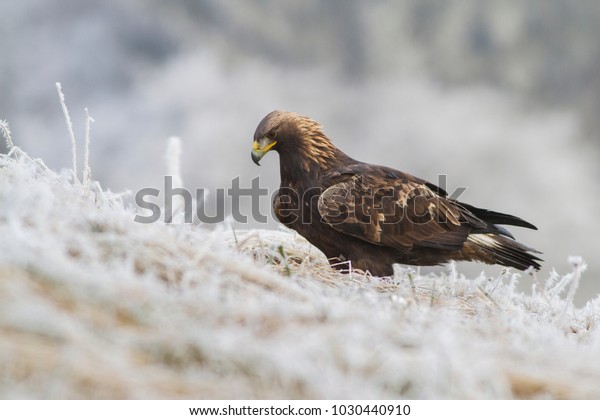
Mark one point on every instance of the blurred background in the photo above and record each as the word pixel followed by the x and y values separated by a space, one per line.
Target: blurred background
pixel 502 96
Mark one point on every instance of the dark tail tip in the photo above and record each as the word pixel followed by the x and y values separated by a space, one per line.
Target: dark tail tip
pixel 514 254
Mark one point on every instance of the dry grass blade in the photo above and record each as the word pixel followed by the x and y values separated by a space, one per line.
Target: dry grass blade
pixel 69 123
pixel 6 133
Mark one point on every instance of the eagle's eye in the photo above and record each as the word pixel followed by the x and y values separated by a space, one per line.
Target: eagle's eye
pixel 271 134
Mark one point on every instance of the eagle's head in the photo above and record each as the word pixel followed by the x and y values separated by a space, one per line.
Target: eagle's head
pixel 294 137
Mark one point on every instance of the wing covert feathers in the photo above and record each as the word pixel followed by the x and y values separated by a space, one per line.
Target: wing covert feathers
pixel 407 215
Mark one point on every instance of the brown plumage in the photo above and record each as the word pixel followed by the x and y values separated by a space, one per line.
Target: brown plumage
pixel 374 216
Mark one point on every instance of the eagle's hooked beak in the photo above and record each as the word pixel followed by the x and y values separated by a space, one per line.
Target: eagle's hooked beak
pixel 260 148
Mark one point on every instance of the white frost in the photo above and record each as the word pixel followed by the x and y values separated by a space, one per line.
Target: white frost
pixel 94 305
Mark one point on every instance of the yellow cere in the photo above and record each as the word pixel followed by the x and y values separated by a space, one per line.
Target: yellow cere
pixel 256 147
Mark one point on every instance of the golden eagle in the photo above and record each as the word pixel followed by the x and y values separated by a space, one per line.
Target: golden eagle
pixel 374 216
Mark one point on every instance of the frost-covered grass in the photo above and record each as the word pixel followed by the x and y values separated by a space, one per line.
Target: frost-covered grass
pixel 94 305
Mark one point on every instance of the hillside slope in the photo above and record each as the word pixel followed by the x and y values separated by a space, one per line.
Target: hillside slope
pixel 94 305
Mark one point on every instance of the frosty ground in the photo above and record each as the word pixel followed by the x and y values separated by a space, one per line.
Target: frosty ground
pixel 94 305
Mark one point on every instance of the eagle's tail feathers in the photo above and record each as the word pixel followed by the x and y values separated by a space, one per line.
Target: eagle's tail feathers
pixel 496 249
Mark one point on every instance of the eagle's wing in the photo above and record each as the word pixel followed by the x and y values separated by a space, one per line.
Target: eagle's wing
pixel 390 208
